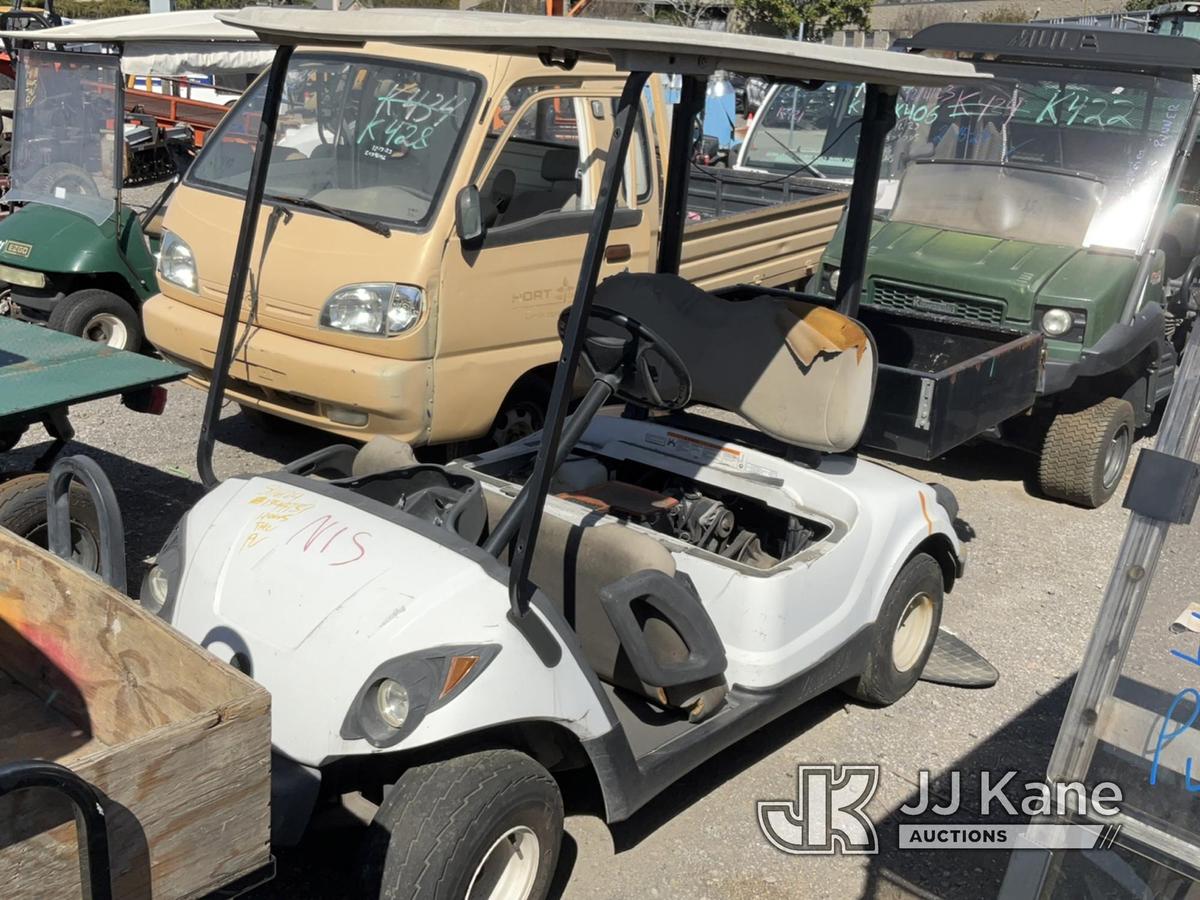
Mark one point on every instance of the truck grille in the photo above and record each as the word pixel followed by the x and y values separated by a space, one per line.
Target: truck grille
pixel 889 295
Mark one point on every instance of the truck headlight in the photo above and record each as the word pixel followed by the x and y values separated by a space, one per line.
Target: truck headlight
pixel 1062 323
pixel 176 264
pixel 383 309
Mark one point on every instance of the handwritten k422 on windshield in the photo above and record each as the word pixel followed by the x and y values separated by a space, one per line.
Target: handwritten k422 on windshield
pixel 1062 107
pixel 407 116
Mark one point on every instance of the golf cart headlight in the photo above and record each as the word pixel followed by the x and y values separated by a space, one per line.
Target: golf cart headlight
pixel 1057 322
pixel 154 593
pixel 382 309
pixel 391 702
pixel 834 275
pixel 176 264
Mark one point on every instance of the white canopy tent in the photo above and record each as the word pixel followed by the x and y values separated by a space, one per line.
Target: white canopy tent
pixel 166 44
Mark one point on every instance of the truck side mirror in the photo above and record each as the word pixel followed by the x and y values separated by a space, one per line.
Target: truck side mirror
pixel 468 215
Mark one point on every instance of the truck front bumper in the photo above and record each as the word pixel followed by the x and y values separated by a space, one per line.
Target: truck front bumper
pixel 352 394
pixel 1120 344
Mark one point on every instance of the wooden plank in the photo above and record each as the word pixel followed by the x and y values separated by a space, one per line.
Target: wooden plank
pixel 186 785
pixel 109 665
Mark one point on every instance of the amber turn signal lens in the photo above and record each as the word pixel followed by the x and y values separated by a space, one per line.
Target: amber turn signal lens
pixel 460 668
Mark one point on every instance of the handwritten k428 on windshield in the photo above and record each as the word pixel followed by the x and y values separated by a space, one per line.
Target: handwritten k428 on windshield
pixel 407 116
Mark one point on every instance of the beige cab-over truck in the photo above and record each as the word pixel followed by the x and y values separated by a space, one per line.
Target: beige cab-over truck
pixel 365 312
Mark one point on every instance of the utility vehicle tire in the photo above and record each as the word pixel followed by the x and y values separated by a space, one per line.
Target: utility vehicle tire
pixel 10 437
pixel 904 633
pixel 67 176
pixel 1085 453
pixel 483 826
pixel 522 413
pixel 99 316
pixel 23 512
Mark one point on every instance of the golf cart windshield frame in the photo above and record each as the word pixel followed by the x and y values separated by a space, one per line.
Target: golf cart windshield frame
pixel 693 54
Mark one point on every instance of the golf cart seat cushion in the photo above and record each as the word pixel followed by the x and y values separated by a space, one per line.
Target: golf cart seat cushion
pixel 572 564
pixel 801 373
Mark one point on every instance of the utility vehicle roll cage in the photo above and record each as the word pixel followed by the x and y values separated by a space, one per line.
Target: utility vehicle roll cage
pixel 637 48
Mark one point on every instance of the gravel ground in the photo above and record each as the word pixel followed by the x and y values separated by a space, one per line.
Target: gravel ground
pixel 1035 577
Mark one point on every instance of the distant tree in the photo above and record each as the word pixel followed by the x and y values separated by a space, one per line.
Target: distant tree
pixel 681 12
pixel 1139 5
pixel 1007 13
pixel 819 18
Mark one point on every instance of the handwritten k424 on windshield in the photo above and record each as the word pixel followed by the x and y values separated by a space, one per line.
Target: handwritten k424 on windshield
pixel 407 116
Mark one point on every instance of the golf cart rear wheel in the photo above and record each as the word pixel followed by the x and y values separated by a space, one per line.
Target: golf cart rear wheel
pixel 483 826
pixel 63 177
pixel 1085 453
pixel 99 316
pixel 23 512
pixel 904 633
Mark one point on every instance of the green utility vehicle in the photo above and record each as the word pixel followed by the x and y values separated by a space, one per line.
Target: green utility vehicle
pixel 1175 19
pixel 1042 232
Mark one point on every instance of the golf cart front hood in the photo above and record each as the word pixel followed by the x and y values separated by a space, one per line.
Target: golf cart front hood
pixel 296 565
pixel 45 238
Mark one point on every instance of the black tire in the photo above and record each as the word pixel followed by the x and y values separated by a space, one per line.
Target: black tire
pixel 100 316
pixel 23 512
pixel 522 413
pixel 1085 453
pixel 894 665
pixel 10 437
pixel 67 176
pixel 440 821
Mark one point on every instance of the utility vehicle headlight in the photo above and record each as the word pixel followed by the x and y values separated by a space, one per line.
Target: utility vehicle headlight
pixel 391 701
pixel 383 309
pixel 834 276
pixel 1056 322
pixel 176 263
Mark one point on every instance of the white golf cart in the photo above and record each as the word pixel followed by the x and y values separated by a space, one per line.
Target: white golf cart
pixel 627 593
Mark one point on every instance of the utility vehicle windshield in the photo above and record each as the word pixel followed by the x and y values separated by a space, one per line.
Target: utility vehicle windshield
pixel 372 138
pixel 63 138
pixel 1038 154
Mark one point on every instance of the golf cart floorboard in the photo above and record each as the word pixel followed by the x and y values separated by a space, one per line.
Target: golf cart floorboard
pixel 29 727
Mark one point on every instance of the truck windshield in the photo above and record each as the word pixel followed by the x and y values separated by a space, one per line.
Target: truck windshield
pixel 805 132
pixel 373 137
pixel 1038 154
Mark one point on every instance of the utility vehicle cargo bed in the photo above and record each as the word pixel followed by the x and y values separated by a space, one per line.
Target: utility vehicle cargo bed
pixel 942 383
pixel 177 743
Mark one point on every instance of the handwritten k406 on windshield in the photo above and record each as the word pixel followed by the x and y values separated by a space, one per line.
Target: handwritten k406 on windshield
pixel 407 116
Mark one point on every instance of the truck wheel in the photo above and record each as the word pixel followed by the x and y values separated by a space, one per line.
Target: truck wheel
pixel 483 826
pixel 23 512
pixel 522 413
pixel 904 633
pixel 1085 453
pixel 100 316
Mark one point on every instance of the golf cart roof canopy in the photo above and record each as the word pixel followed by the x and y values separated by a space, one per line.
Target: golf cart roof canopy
pixel 165 43
pixel 1069 45
pixel 631 46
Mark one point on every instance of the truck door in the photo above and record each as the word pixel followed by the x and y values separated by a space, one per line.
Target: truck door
pixel 499 304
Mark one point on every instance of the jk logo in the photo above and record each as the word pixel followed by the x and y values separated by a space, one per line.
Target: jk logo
pixel 827 815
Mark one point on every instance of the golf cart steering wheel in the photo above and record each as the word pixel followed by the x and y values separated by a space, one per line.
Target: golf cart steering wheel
pixel 650 371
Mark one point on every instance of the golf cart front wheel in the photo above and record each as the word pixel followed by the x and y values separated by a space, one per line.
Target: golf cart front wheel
pixel 904 633
pixel 99 316
pixel 483 826
pixel 1085 453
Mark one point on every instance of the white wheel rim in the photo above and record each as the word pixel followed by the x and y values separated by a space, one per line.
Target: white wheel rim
pixel 912 632
pixel 508 871
pixel 105 328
